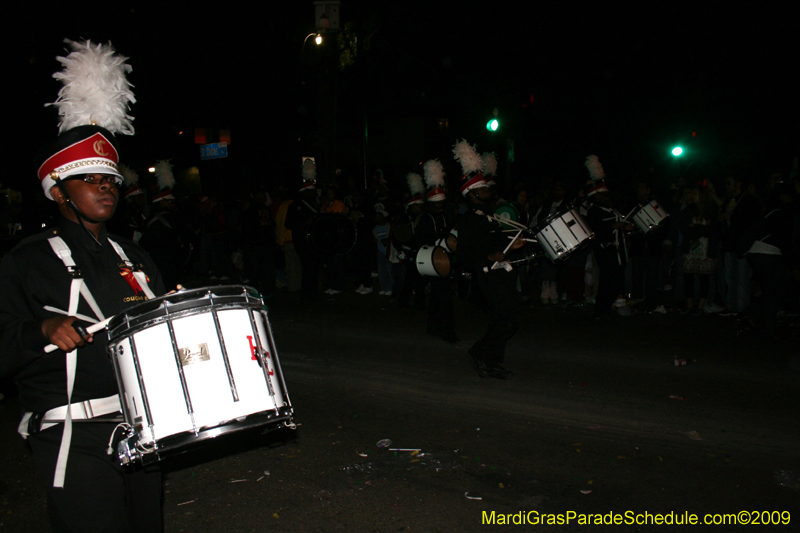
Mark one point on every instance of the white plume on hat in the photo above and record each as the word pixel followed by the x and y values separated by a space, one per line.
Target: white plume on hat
pixel 95 89
pixel 129 176
pixel 415 184
pixel 434 173
pixel 309 170
pixel 467 156
pixel 164 176
pixel 489 161
pixel 595 168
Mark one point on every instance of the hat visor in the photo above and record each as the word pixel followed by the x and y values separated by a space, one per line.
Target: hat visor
pixel 48 182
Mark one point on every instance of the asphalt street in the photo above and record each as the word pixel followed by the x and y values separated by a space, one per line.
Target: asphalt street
pixel 596 420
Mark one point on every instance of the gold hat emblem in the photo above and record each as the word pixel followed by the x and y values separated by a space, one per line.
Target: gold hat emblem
pixel 100 148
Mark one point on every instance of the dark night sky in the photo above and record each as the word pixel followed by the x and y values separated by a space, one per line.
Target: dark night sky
pixel 624 84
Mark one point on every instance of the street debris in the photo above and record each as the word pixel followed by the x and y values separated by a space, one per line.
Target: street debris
pixel 467 496
pixel 383 443
pixel 693 435
pixel 787 478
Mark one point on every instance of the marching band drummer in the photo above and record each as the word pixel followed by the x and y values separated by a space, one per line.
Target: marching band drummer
pixel 480 244
pixel 610 249
pixel 432 226
pixel 78 272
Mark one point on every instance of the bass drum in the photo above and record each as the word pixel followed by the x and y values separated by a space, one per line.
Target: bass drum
pixel 433 261
pixel 507 211
pixel 449 243
pixel 332 234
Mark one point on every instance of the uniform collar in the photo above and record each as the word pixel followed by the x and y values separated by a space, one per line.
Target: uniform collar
pixel 76 233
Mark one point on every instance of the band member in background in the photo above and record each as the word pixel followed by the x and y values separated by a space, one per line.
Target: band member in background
pixel 481 244
pixel 433 226
pixel 609 245
pixel 404 235
pixel 298 220
pixel 54 285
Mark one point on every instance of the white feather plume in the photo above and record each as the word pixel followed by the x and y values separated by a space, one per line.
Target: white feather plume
pixel 309 170
pixel 129 176
pixel 164 176
pixel 434 173
pixel 489 164
pixel 467 156
pixel 595 168
pixel 415 184
pixel 95 89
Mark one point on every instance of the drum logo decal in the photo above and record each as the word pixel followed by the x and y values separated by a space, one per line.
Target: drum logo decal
pixel 194 354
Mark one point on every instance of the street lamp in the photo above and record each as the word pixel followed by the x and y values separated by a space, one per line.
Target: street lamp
pixel 677 151
pixel 317 39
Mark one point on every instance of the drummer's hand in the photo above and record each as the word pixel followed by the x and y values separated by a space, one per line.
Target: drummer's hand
pixel 518 243
pixel 59 331
pixel 177 288
pixel 497 256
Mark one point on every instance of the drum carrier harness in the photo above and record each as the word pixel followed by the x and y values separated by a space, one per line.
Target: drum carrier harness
pixel 90 408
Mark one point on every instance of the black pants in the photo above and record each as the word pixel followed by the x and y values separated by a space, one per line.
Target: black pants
pixel 772 275
pixel 499 289
pixel 441 312
pixel 611 277
pixel 99 495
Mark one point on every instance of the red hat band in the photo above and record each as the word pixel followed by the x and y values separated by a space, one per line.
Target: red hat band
pixel 475 182
pixel 437 194
pixel 596 188
pixel 93 154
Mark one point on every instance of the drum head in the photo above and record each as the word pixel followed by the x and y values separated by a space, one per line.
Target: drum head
pixel 508 211
pixel 441 262
pixel 332 234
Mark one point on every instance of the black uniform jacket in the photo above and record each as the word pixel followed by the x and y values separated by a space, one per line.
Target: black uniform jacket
pixel 478 238
pixel 32 277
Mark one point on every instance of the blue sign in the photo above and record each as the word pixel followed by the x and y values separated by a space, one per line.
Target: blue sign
pixel 213 151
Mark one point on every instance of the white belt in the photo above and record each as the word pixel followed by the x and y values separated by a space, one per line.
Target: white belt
pixel 85 410
pixel 80 411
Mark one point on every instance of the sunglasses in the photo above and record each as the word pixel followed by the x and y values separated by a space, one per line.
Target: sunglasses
pixel 97 179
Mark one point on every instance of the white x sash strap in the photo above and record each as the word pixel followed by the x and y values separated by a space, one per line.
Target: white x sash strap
pixel 78 288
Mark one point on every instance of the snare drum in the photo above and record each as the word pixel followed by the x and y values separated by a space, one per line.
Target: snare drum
pixel 563 234
pixel 649 216
pixel 194 365
pixel 433 261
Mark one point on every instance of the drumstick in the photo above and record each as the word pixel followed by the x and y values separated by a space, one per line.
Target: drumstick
pixel 494 266
pixel 509 222
pixel 91 329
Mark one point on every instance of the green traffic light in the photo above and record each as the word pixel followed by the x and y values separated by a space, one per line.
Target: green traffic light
pixel 677 151
pixel 492 125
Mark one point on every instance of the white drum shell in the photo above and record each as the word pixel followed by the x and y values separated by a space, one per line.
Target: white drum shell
pixel 649 217
pixel 563 234
pixel 149 370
